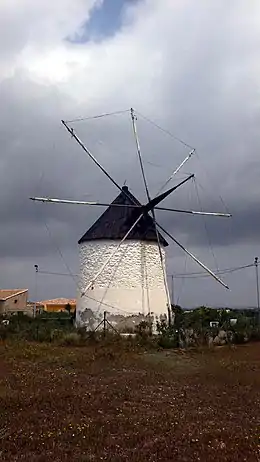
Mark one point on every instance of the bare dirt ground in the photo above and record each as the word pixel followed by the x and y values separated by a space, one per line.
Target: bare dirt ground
pixel 102 404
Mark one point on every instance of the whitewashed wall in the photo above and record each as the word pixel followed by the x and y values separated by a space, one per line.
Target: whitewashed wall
pixel 132 283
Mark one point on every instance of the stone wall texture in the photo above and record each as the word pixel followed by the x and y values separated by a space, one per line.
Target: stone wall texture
pixel 132 282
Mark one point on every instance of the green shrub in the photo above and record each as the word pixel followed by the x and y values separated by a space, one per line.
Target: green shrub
pixel 167 341
pixel 56 334
pixel 168 335
pixel 71 339
pixel 255 334
pixel 238 337
pixel 143 329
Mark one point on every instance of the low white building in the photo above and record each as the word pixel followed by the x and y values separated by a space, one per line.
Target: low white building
pixel 131 287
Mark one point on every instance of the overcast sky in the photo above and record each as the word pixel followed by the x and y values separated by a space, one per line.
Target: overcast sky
pixel 193 67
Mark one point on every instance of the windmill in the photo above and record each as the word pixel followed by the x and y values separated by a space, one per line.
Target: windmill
pixel 122 256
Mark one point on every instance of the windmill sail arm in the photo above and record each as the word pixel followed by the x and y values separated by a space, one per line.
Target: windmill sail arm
pixel 193 257
pixel 176 171
pixel 153 202
pixel 194 212
pixel 86 150
pixel 103 204
pixel 72 133
pixel 62 201
pixel 151 208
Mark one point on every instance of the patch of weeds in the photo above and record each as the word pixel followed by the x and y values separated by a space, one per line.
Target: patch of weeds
pixel 70 339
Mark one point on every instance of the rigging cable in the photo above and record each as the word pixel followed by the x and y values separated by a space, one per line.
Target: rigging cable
pixel 50 273
pixel 195 275
pixel 60 253
pixel 86 150
pixel 230 225
pixel 116 265
pixel 99 116
pixel 182 281
pixel 175 275
pixel 182 284
pixel 165 130
pixel 168 298
pixel 205 225
pixel 74 276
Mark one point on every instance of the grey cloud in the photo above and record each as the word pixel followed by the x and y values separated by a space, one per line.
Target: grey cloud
pixel 207 98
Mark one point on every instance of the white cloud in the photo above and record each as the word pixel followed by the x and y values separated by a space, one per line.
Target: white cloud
pixel 29 28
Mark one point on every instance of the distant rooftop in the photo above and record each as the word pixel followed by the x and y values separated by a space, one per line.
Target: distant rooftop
pixel 58 301
pixel 114 223
pixel 8 293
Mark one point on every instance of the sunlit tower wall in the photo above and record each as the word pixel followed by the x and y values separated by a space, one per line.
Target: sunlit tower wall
pixel 132 285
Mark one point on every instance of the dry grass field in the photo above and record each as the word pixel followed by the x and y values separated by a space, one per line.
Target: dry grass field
pixel 108 404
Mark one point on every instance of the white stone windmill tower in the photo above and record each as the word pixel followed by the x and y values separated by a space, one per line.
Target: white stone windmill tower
pixel 122 255
pixel 132 283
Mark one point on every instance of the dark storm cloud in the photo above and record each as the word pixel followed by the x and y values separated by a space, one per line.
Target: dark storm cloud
pixel 242 228
pixel 40 159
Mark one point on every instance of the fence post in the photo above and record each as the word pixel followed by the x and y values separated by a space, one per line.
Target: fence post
pixel 104 323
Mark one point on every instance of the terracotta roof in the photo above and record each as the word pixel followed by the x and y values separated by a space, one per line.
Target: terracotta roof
pixel 8 293
pixel 114 223
pixel 30 303
pixel 58 301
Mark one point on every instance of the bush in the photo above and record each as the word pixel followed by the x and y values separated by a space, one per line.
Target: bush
pixel 56 334
pixel 168 341
pixel 255 335
pixel 239 337
pixel 48 327
pixel 168 335
pixel 143 329
pixel 71 339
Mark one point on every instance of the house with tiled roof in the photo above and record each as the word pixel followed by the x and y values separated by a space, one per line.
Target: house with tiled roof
pixel 13 301
pixel 58 304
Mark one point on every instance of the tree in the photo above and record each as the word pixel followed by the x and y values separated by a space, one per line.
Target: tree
pixel 68 308
pixel 178 316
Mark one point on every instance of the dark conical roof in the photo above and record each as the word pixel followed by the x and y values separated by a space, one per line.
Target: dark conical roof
pixel 114 223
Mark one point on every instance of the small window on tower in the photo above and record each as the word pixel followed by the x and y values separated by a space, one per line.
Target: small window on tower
pixel 15 301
